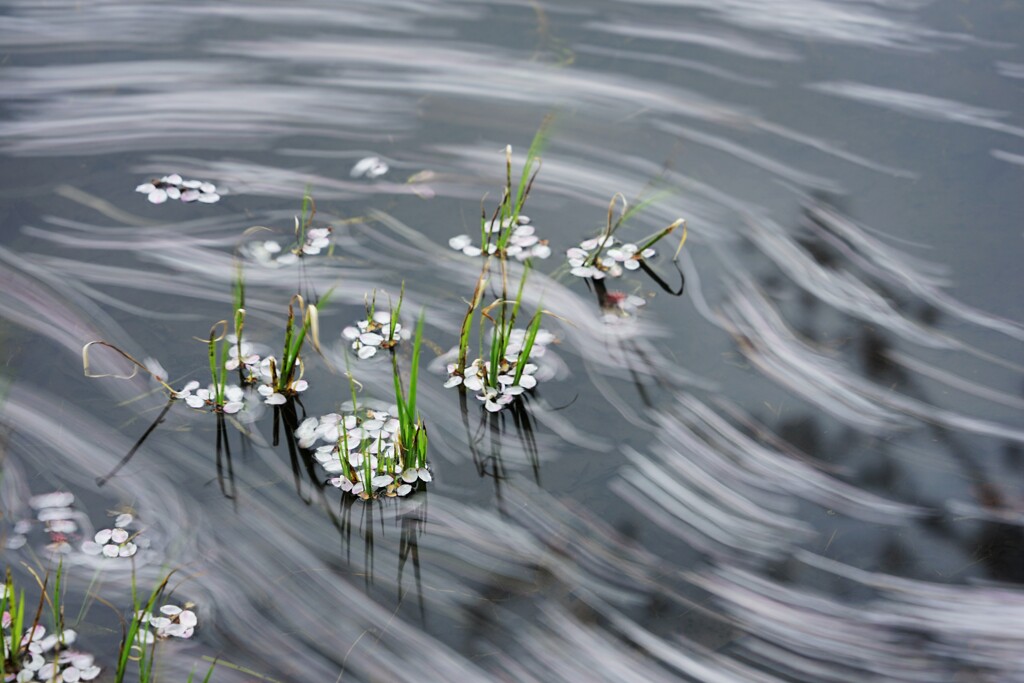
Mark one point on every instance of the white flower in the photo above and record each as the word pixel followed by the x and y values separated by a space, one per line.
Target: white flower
pixel 173 187
pixel 111 543
pixel 369 167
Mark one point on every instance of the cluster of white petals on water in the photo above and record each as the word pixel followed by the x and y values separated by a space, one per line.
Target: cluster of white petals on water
pixel 55 515
pixel 601 257
pixel 115 542
pixel 275 254
pixel 67 665
pixel 170 621
pixel 523 242
pixel 361 452
pixel 38 664
pixel 375 333
pixel 499 387
pixel 203 398
pixel 173 186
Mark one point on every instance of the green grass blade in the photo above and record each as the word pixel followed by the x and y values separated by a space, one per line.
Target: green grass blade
pixel 524 354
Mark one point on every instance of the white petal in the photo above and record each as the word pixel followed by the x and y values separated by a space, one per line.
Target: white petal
pixel 90 673
pixel 194 402
pixel 460 242
pixel 382 480
pixel 364 166
pixel 188 619
pixel 191 386
pixel 371 339
pixel 58 499
pixel 208 198
pixel 300 385
pixel 471 251
pixel 103 536
pixel 157 196
pixel 208 188
pixel 173 193
pixel 425 474
pixel 453 381
pixel 91 548
pixel 173 179
pixel 631 264
pixel 232 407
pixel 127 550
pixel 404 490
pixel 288 259
pixel 583 271
pixel 492 407
pixel 272 246
pixel 145 188
pixel 110 550
pixel 118 535
pixel 170 610
pixel 473 383
pixel 365 352
pixel 191 184
pixel 275 399
pixel 541 251
pixel 190 195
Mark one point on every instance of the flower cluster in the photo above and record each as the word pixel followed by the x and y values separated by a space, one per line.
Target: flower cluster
pixel 498 387
pixel 522 244
pixel 601 257
pixel 55 512
pixel 171 622
pixel 272 253
pixel 362 454
pixel 115 542
pixel 69 666
pixel 200 399
pixel 173 187
pixel 367 336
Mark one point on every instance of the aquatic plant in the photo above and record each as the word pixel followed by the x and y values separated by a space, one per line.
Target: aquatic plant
pixel 379 330
pixel 171 621
pixel 373 451
pixel 159 190
pixel 523 242
pixel 309 240
pixel 28 653
pixel 607 256
pixel 508 232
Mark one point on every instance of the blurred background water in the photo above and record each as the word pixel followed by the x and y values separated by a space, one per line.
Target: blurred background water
pixel 806 468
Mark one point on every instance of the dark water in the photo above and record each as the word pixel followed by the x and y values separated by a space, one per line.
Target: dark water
pixel 806 468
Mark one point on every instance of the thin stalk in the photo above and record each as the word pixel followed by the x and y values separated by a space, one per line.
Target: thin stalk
pixel 467 322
